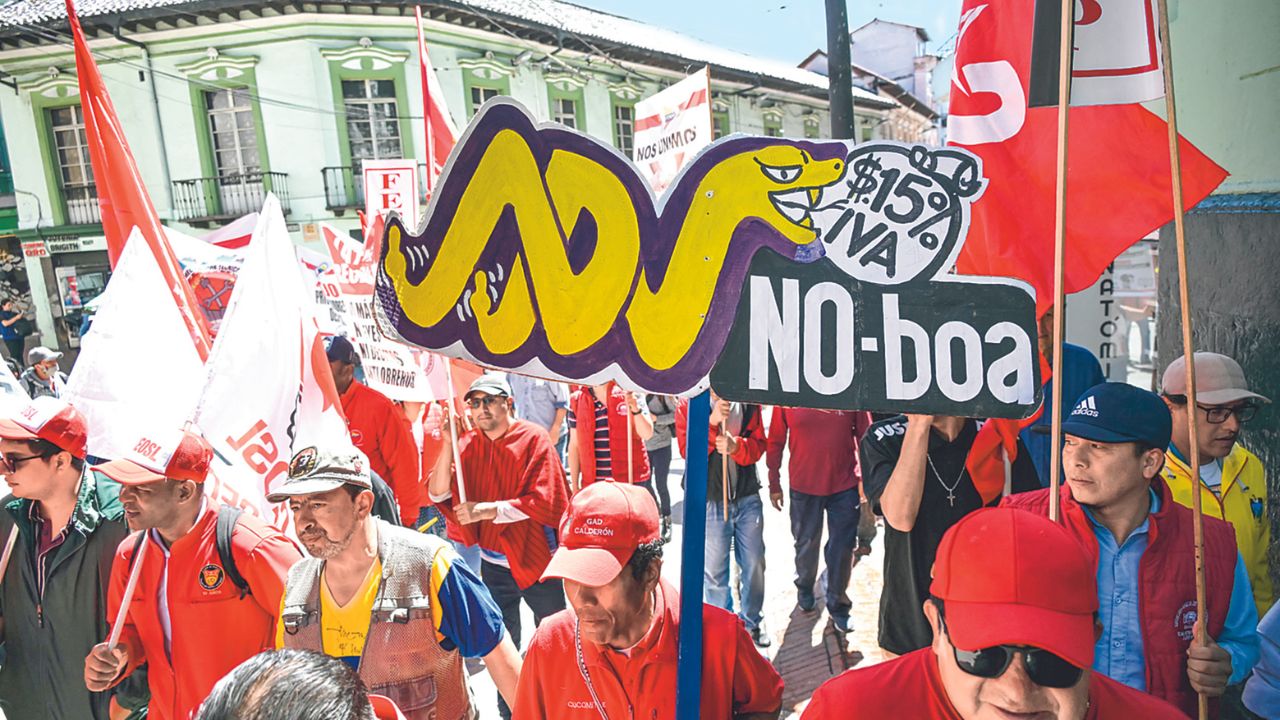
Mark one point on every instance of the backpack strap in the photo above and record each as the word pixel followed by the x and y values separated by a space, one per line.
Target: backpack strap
pixel 228 516
pixel 137 546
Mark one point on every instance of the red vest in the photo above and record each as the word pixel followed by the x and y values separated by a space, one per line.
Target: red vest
pixel 584 410
pixel 1167 583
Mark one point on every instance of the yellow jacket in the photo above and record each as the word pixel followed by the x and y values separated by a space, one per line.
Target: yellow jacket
pixel 1243 504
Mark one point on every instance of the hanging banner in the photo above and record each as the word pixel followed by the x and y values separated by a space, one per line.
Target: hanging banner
pixel 545 253
pixel 671 127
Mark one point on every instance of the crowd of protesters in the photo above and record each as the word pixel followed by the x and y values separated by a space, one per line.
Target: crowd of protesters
pixel 126 592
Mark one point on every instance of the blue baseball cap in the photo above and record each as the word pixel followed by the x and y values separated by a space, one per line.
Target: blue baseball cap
pixel 1115 412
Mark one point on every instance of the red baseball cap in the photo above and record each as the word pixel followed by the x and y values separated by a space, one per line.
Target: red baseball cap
pixel 604 525
pixel 52 419
pixel 1011 577
pixel 182 455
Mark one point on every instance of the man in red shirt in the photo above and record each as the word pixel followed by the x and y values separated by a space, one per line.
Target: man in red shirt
pixel 515 496
pixel 379 429
pixel 824 479
pixel 188 620
pixel 1013 609
pixel 613 655
pixel 600 446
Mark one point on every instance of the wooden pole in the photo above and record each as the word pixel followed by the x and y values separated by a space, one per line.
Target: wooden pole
pixel 724 472
pixel 1065 50
pixel 118 626
pixel 453 432
pixel 1188 346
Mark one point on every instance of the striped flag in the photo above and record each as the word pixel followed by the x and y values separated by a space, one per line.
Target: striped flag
pixel 442 135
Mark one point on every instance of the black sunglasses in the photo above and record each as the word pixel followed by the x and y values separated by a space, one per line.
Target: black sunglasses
pixel 1043 667
pixel 1218 414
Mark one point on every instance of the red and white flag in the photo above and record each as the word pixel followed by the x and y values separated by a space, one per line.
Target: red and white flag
pixel 122 197
pixel 1116 57
pixel 1118 179
pixel 269 391
pixel 441 133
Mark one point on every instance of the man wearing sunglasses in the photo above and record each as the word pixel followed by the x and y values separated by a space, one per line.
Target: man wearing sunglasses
pixel 1013 610
pixel 1116 504
pixel 1233 483
pixel 52 598
pixel 515 496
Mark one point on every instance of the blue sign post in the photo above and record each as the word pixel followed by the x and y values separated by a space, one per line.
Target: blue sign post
pixel 689 667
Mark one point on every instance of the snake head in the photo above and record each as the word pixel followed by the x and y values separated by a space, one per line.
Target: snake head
pixel 794 182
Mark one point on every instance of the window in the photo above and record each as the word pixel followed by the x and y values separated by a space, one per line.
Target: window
pixel 480 95
pixel 624 127
pixel 811 130
pixel 564 111
pixel 773 127
pixel 719 124
pixel 232 130
pixel 373 122
pixel 75 171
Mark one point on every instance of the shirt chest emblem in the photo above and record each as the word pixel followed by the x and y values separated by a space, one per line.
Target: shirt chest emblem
pixel 211 576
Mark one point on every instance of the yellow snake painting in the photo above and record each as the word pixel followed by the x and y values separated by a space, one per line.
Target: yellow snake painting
pixel 543 245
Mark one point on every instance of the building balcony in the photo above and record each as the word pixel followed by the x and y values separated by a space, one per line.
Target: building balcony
pixel 344 187
pixel 207 201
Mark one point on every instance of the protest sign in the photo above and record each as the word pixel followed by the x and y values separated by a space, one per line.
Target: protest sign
pixel 647 293
pixel 390 186
pixel 671 127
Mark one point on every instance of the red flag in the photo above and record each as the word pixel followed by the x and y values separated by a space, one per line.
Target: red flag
pixel 122 198
pixel 441 133
pixel 985 462
pixel 1118 179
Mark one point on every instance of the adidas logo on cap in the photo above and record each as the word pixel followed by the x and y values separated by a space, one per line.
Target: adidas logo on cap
pixel 1086 407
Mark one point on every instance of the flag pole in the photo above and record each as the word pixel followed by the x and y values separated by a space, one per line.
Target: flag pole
pixel 118 626
pixel 453 432
pixel 1188 345
pixel 426 99
pixel 1059 252
pixel 630 451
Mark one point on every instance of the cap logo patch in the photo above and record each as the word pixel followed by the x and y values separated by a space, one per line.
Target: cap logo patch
pixel 304 462
pixel 211 577
pixel 1087 407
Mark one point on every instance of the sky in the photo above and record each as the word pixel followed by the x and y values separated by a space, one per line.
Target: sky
pixel 778 29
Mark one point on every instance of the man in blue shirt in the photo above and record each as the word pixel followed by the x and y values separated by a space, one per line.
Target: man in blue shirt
pixel 1118 506
pixel 1262 692
pixel 1080 371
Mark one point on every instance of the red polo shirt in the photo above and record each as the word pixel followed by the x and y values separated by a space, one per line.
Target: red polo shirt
pixel 641 683
pixel 384 434
pixel 212 629
pixel 910 687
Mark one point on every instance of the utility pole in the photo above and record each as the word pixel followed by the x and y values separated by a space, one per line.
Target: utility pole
pixel 839 70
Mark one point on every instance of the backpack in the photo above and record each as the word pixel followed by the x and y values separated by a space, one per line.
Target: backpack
pixel 227 518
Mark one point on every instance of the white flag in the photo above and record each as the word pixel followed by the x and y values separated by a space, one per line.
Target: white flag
pixel 261 397
pixel 671 127
pixel 137 369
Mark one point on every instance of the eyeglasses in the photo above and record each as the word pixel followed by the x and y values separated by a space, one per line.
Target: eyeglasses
pixel 10 464
pixel 1218 414
pixel 1043 667
pixel 485 401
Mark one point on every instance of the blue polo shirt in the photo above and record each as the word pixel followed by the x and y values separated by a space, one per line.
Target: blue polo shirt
pixel 1118 653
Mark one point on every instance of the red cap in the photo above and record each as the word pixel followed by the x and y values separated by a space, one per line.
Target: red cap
pixel 176 456
pixel 52 419
pixel 1011 577
pixel 604 525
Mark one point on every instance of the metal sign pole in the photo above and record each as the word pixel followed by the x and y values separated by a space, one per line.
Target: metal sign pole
pixel 689 664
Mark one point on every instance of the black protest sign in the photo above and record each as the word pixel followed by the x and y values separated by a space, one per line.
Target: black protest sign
pixel 878 323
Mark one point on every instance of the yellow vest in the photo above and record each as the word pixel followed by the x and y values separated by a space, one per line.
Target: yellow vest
pixel 1243 504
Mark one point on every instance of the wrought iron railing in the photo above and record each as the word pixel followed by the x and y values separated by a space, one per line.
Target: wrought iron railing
pixel 227 197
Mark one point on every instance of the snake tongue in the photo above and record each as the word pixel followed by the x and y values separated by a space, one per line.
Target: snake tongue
pixel 814 194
